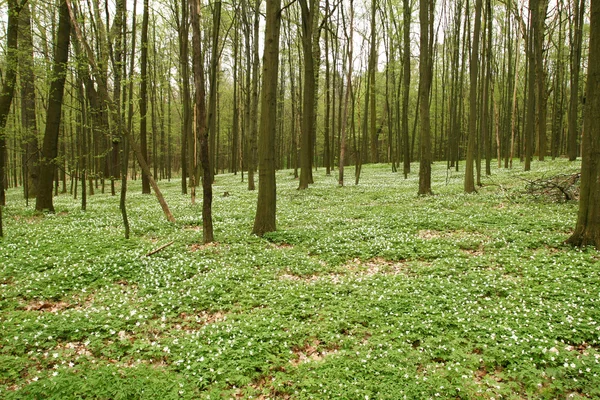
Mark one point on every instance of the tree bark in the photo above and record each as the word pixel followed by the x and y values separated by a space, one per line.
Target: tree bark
pixel 587 231
pixel 374 150
pixel 201 128
pixel 8 91
pixel 344 121
pixel 573 121
pixel 425 64
pixel 406 86
pixel 144 96
pixel 474 73
pixel 264 220
pixel 308 98
pixel 55 100
pixel 28 104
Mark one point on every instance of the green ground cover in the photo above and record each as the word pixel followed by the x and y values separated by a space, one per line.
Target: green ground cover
pixel 364 292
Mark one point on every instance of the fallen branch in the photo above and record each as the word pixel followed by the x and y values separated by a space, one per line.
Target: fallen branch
pixel 562 187
pixel 159 249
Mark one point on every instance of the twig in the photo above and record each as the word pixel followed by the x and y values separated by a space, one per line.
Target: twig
pixel 159 249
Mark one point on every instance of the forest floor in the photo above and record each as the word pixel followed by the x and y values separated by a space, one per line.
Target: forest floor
pixel 364 292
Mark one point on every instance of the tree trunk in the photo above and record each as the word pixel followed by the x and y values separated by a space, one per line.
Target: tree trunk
pixel 264 220
pixel 344 121
pixel 474 72
pixel 252 149
pixel 28 104
pixel 531 84
pixel 406 86
pixel 425 71
pixel 8 91
pixel 201 129
pixel 144 96
pixel 540 79
pixel 587 231
pixel 374 158
pixel 112 106
pixel 184 70
pixel 308 98
pixel 55 100
pixel 573 133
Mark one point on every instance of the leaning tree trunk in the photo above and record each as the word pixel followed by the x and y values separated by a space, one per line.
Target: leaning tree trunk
pixel 55 100
pixel 587 231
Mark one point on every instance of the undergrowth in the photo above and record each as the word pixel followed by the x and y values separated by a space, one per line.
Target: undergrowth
pixel 363 292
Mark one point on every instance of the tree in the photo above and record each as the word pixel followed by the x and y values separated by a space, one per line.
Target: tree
pixel 406 85
pixel 28 104
pixel 474 72
pixel 374 158
pixel 425 69
pixel 576 45
pixel 308 99
pixel 144 95
pixel 344 124
pixel 264 220
pixel 8 89
pixel 55 102
pixel 587 231
pixel 112 106
pixel 201 128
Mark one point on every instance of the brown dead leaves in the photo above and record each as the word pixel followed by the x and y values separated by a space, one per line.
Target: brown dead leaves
pixel 311 352
pixel 356 269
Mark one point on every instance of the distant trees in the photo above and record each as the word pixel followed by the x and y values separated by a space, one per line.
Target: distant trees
pixel 503 74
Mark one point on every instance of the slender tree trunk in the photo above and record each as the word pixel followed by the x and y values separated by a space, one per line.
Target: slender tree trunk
pixel 573 121
pixel 144 95
pixel 406 85
pixel 120 72
pixel 252 150
pixel 308 98
pixel 201 129
pixel 531 86
pixel 371 70
pixel 8 91
pixel 327 100
pixel 28 104
pixel 425 70
pixel 104 94
pixel 474 72
pixel 344 122
pixel 235 133
pixel 186 125
pixel 540 79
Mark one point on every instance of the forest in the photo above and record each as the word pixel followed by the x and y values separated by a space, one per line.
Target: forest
pixel 307 199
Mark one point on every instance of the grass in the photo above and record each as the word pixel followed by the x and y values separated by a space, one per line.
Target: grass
pixel 364 292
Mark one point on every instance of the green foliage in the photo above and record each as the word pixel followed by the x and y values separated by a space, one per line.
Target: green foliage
pixel 364 292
